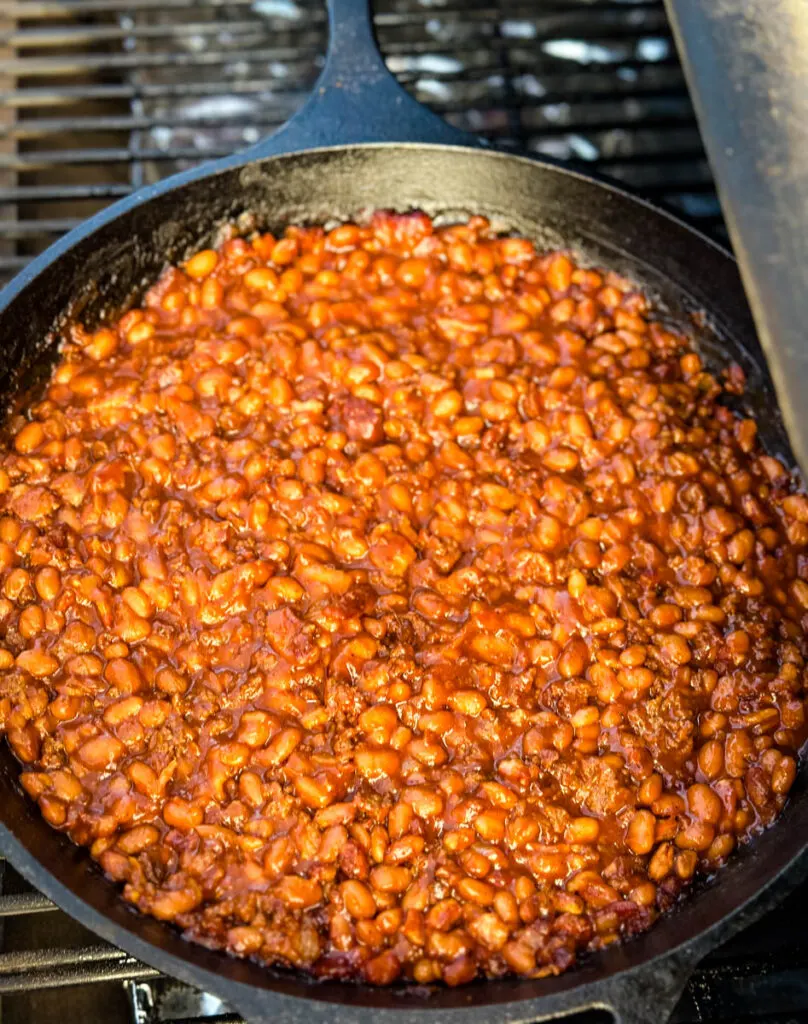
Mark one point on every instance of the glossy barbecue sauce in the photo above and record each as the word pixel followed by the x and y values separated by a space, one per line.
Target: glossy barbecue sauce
pixel 397 603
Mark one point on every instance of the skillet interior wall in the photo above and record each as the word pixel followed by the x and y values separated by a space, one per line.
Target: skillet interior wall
pixel 105 272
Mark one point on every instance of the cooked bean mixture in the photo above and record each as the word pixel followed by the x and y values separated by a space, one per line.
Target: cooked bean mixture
pixel 395 602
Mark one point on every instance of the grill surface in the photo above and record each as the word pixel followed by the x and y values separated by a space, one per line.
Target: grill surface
pixel 101 96
pixel 98 97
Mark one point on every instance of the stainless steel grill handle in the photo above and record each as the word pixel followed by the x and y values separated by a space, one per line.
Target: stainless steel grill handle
pixel 747 65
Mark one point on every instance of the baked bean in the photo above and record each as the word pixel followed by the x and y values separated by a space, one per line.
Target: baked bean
pixel 640 836
pixel 31 622
pixel 704 803
pixel 308 559
pixel 182 814
pixel 489 930
pixel 358 900
pixel 685 863
pixel 37 663
pixel 390 879
pixel 143 777
pixel 123 676
pixel 669 805
pixel 573 659
pixel 783 775
pixel 138 839
pixel 299 892
pixel 425 802
pixel 476 891
pixel 490 825
pixel 25 742
pixel 650 790
pixel 379 723
pixel 54 810
pixel 202 264
pixel 583 830
pixel 100 753
pixel 29 438
pixel 696 836
pixel 282 745
pixel 250 789
pixel 170 681
pixel 738 751
pixel 47 584
pixel 720 848
pixel 711 759
pixel 661 864
pixel 17 586
pixel 405 849
pixel 122 709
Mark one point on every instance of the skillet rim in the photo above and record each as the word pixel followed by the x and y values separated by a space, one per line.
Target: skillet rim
pixel 261 153
pixel 577 993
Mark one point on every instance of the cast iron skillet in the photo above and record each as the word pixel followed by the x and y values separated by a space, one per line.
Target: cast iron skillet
pixel 361 144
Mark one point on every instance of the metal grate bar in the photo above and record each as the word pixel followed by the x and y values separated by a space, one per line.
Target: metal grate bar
pixel 545 27
pixel 70 8
pixel 67 63
pixel 39 193
pixel 73 35
pixel 662 78
pixel 21 229
pixel 72 974
pixel 55 158
pixel 551 112
pixel 30 9
pixel 13 263
pixel 50 96
pixel 45 959
pixel 24 903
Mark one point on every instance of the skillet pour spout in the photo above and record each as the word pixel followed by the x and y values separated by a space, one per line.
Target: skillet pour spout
pixel 361 143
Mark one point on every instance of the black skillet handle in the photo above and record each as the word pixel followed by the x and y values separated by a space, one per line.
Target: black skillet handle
pixel 356 99
pixel 649 994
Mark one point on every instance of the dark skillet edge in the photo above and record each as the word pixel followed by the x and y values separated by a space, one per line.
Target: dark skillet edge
pixel 249 164
pixel 643 993
pixel 263 151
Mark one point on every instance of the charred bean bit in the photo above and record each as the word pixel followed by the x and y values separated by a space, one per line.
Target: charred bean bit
pixel 414 579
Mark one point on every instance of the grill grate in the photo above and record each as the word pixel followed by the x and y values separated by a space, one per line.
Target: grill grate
pixel 101 96
pixel 98 97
